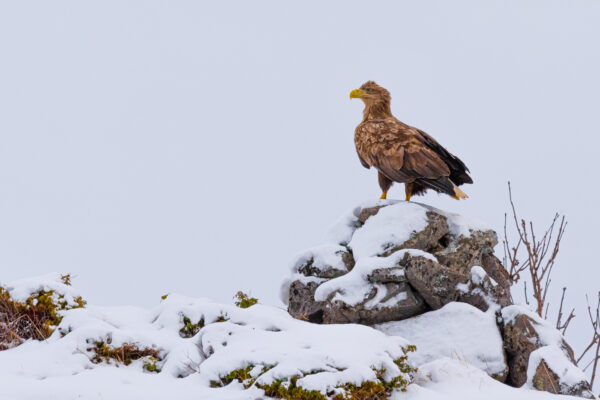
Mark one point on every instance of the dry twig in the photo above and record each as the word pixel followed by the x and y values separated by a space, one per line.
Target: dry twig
pixel 540 253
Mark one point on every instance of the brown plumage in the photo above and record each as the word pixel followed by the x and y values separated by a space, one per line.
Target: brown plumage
pixel 402 153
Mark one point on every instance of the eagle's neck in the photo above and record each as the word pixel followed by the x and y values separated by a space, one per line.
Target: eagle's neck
pixel 378 110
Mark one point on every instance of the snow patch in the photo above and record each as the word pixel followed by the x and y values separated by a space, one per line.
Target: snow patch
pixel 556 360
pixel 459 225
pixel 447 378
pixel 457 330
pixel 267 338
pixel 341 232
pixel 392 225
pixel 22 289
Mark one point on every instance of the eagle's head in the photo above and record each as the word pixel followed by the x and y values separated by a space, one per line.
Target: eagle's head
pixel 371 93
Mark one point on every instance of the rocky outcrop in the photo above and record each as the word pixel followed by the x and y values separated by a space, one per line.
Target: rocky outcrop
pixel 388 261
pixel 394 260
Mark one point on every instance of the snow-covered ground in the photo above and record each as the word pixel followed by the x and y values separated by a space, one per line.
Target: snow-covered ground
pixel 457 330
pixel 220 338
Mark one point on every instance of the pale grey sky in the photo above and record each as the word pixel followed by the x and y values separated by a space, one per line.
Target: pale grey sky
pixel 151 147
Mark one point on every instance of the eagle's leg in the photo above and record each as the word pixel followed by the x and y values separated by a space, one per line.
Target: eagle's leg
pixel 408 189
pixel 384 183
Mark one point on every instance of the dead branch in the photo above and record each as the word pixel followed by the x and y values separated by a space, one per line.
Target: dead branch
pixel 595 341
pixel 539 255
pixel 562 326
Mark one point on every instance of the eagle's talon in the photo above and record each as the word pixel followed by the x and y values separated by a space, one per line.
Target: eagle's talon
pixel 383 195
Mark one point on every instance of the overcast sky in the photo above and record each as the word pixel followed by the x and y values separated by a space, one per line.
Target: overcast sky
pixel 193 147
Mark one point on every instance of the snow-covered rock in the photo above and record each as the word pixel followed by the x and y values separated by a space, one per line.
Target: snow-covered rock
pixel 539 356
pixel 390 260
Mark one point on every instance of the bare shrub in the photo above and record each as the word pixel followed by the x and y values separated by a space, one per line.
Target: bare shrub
pixel 536 256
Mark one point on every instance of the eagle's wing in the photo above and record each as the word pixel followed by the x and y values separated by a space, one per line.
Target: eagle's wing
pixel 395 149
pixel 458 169
pixel 362 161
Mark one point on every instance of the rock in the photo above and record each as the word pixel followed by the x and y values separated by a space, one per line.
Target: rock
pixel 302 304
pixel 393 260
pixel 436 283
pixel 427 239
pixel 404 303
pixel 538 354
pixel 550 371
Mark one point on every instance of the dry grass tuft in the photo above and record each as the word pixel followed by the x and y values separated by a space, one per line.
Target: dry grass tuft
pixel 125 354
pixel 35 318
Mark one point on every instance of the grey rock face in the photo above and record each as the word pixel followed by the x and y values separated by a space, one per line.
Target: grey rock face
pixel 372 310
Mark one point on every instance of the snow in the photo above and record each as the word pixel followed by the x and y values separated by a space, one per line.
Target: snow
pixel 457 330
pixel 295 347
pixel 398 219
pixel 324 356
pixel 353 287
pixel 447 378
pixel 341 232
pixel 478 274
pixel 323 257
pixel 265 338
pixel 22 289
pixel 556 360
pixel 459 225
pixel 392 225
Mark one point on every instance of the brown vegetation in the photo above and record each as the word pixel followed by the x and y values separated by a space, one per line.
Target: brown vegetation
pixel 35 318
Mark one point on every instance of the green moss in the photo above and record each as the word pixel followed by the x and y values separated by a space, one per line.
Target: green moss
pixel 288 388
pixel 241 375
pixel 150 366
pixel 280 389
pixel 244 301
pixel 190 329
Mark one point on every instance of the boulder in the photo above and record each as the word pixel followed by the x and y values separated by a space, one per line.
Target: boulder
pixel 539 356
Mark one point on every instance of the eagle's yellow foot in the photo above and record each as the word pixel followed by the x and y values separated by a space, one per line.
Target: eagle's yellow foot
pixel 383 195
pixel 408 196
pixel 459 194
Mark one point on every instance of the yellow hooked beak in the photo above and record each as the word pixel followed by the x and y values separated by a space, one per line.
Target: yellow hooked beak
pixel 356 94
